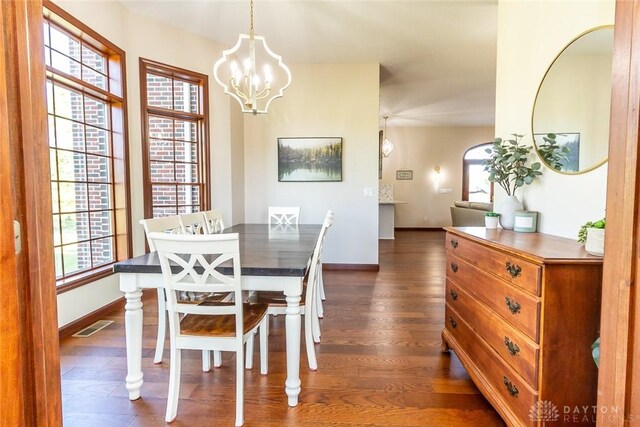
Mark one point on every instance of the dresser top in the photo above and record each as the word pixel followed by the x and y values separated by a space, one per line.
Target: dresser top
pixel 539 247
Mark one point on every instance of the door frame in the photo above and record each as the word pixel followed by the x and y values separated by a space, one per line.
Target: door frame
pixel 28 317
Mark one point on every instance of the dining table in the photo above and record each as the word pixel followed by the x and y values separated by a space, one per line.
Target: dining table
pixel 272 258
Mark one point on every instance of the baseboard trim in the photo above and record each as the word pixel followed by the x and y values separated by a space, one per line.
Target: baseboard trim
pixel 419 229
pixel 81 323
pixel 354 267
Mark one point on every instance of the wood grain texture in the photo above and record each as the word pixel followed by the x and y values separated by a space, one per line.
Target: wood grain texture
pixel 379 361
pixel 619 373
pixel 24 71
pixel 564 321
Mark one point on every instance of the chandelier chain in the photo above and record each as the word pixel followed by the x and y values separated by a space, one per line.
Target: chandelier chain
pixel 251 14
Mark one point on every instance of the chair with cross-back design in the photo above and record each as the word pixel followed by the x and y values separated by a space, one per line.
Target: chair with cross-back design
pixel 308 303
pixel 203 264
pixel 284 215
pixel 165 224
pixel 194 223
pixel 214 221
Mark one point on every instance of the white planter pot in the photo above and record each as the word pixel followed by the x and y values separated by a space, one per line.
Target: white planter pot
pixel 491 222
pixel 507 209
pixel 595 241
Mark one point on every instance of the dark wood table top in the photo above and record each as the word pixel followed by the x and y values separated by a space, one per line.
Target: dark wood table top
pixel 265 250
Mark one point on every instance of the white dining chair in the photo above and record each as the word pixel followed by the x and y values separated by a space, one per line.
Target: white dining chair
pixel 278 304
pixel 194 223
pixel 207 263
pixel 321 294
pixel 284 215
pixel 174 225
pixel 165 224
pixel 214 221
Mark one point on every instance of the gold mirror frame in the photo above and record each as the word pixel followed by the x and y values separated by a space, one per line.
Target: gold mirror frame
pixel 535 103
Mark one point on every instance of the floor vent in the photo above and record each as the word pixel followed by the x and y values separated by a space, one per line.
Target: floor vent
pixel 92 329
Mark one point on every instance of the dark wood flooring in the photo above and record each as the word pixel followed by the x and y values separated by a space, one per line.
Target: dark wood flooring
pixel 380 362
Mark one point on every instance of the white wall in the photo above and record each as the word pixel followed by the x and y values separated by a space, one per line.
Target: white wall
pixel 143 37
pixel 323 100
pixel 421 149
pixel 530 35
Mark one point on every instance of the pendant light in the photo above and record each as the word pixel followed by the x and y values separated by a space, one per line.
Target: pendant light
pixel 387 146
pixel 252 73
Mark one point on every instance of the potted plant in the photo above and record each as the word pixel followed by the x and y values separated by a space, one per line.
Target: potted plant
pixel 507 166
pixel 491 220
pixel 591 233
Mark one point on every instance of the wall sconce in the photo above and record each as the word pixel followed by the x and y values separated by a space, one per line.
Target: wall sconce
pixel 437 176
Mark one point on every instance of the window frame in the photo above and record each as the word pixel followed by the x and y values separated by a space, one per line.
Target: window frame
pixel 465 172
pixel 115 96
pixel 148 66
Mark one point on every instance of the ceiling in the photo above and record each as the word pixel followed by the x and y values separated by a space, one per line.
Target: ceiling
pixel 437 57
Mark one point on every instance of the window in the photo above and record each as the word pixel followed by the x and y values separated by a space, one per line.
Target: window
pixel 476 186
pixel 175 139
pixel 87 140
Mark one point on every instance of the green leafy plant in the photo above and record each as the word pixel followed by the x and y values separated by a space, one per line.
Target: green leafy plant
pixel 492 214
pixel 507 164
pixel 582 233
pixel 552 153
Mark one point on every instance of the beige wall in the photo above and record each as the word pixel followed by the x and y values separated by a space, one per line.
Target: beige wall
pixel 323 100
pixel 144 37
pixel 421 149
pixel 530 35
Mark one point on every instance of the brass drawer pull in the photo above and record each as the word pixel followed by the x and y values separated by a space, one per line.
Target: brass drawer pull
pixel 454 267
pixel 514 307
pixel 511 346
pixel 454 243
pixel 513 390
pixel 453 322
pixel 513 269
pixel 454 295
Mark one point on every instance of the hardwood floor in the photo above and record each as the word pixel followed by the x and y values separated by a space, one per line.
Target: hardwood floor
pixel 379 362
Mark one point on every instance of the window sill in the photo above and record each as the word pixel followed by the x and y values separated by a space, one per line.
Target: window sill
pixel 65 285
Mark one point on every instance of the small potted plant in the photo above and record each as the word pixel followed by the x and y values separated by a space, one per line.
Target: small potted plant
pixel 592 235
pixel 491 220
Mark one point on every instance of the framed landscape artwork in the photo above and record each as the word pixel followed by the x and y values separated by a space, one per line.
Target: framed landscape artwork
pixel 310 159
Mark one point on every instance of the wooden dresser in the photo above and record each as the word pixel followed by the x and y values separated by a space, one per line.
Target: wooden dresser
pixel 522 310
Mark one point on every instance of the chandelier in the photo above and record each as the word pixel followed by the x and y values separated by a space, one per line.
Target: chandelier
pixel 251 72
pixel 387 146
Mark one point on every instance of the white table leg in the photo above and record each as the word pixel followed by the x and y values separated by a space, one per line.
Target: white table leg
pixel 292 322
pixel 133 331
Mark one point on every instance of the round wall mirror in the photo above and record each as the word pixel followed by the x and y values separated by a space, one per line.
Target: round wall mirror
pixel 570 121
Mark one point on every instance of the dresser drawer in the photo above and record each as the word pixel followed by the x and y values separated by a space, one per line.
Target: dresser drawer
pixel 516 306
pixel 518 271
pixel 494 374
pixel 518 350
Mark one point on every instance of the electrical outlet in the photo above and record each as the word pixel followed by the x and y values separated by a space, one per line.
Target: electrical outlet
pixel 368 191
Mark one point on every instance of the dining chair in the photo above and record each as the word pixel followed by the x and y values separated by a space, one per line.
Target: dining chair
pixel 321 294
pixel 278 305
pixel 207 263
pixel 194 223
pixel 174 225
pixel 214 221
pixel 165 224
pixel 284 215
